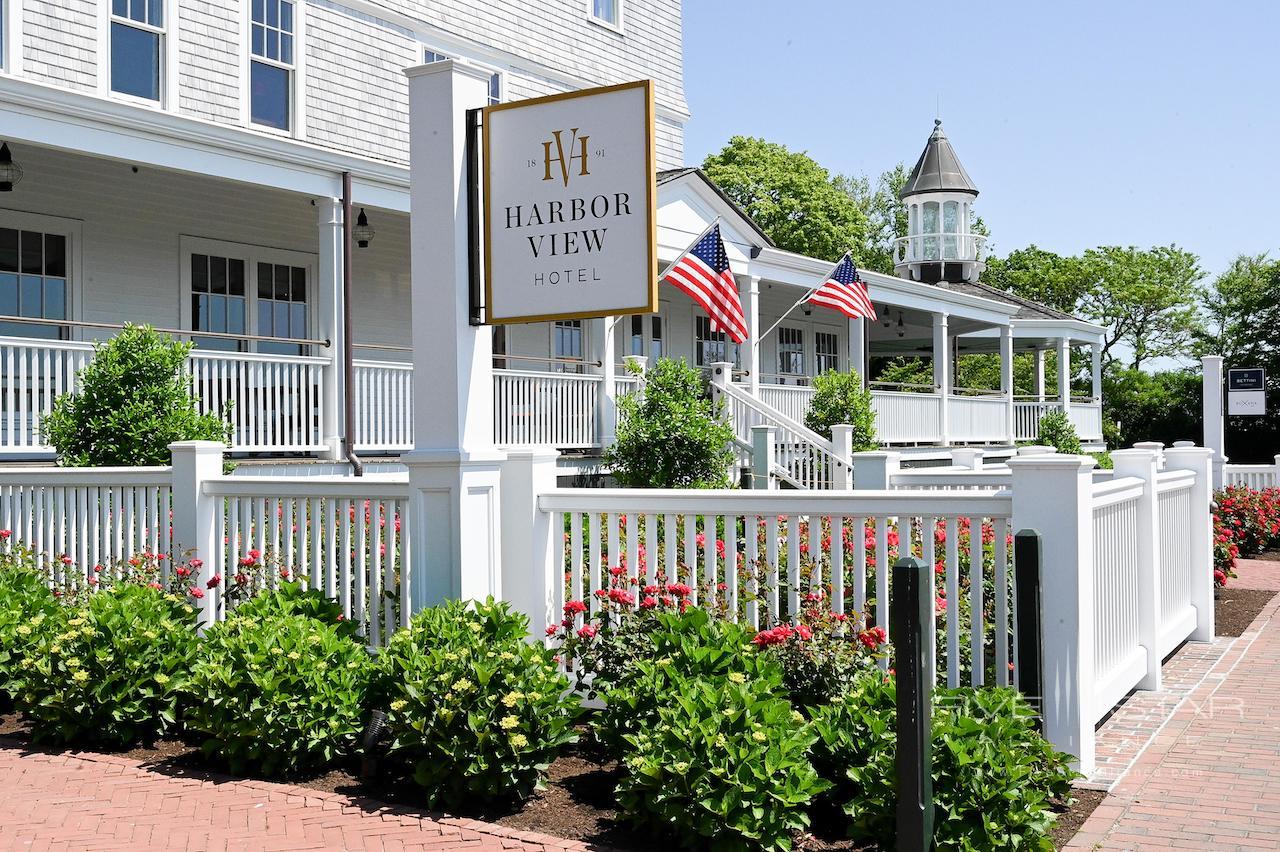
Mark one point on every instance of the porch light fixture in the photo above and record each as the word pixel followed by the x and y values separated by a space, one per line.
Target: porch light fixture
pixel 901 331
pixel 885 314
pixel 362 233
pixel 10 172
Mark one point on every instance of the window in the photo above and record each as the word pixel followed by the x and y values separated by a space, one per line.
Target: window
pixel 650 345
pixel 33 282
pixel 137 32
pixel 607 12
pixel 282 306
pixel 712 346
pixel 791 351
pixel 271 63
pixel 567 339
pixel 826 353
pixel 637 335
pixel 495 79
pixel 655 349
pixel 218 299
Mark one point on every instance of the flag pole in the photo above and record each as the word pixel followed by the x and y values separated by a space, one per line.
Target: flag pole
pixel 801 300
pixel 680 257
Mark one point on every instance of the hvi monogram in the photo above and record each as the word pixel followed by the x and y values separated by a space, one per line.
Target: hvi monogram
pixel 563 158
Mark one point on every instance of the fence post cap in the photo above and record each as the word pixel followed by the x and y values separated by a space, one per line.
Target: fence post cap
pixel 1178 445
pixel 1191 450
pixel 763 427
pixel 1051 461
pixel 1036 450
pixel 198 446
pixel 1135 452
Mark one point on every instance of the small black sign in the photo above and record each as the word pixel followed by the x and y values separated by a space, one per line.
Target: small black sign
pixel 1245 378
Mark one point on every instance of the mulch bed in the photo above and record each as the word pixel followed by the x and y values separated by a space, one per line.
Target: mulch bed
pixel 1235 609
pixel 1069 821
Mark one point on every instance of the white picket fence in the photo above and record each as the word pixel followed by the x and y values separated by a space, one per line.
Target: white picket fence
pixel 1256 476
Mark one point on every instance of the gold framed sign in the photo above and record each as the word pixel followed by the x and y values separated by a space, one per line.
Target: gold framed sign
pixel 570 206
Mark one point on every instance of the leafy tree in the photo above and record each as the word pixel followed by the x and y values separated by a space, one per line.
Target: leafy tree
pixel 134 400
pixel 671 435
pixel 794 200
pixel 1042 276
pixel 1145 299
pixel 841 398
pixel 885 214
pixel 1141 406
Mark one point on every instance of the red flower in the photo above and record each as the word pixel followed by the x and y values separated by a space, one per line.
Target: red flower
pixel 575 607
pixel 680 590
pixel 213 582
pixel 242 579
pixel 617 570
pixel 156 586
pixel 65 559
pixel 97 569
pixel 4 534
pixel 254 554
pixel 622 596
pixel 551 631
pixel 195 593
pixel 649 602
pixel 587 631
pixel 182 572
pixel 804 632
pixel 247 561
pixel 93 581
pixel 196 564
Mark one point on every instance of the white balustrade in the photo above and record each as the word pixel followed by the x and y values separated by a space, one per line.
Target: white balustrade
pixel 34 373
pixel 1119 659
pixel 792 400
pixel 907 418
pixel 1027 416
pixel 1255 476
pixel 977 418
pixel 1087 418
pixel 275 400
pixel 804 458
pixel 545 409
pixel 384 405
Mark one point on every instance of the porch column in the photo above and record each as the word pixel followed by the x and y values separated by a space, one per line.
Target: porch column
pixel 1096 352
pixel 454 469
pixel 1039 375
pixel 329 318
pixel 603 344
pixel 1064 374
pixel 942 373
pixel 752 306
pixel 1006 379
pixel 858 348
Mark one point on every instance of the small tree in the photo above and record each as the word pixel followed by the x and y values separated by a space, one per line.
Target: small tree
pixel 133 401
pixel 1056 431
pixel 671 435
pixel 841 398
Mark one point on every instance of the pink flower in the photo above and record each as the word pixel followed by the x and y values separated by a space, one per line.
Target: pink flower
pixel 195 593
pixel 4 534
pixel 804 632
pixel 65 559
pixel 551 631
pixel 93 581
pixel 213 582
pixel 587 631
pixel 247 561
pixel 680 590
pixel 254 554
pixel 617 570
pixel 196 564
pixel 621 596
pixel 574 607
pixel 182 572
pixel 97 569
pixel 156 586
pixel 649 602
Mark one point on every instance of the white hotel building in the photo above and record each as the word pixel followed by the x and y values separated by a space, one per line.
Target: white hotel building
pixel 182 164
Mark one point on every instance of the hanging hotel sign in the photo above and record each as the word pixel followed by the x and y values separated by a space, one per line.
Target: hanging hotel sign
pixel 1246 392
pixel 570 206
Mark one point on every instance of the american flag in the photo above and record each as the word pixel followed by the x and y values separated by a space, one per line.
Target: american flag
pixel 844 291
pixel 703 273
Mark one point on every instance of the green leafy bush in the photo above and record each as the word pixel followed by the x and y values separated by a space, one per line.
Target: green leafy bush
pixel 292 599
pixel 279 694
pixel 1057 431
pixel 724 766
pixel 679 648
pixel 111 671
pixel 671 435
pixel 133 401
pixel 476 713
pixel 27 610
pixel 841 398
pixel 995 780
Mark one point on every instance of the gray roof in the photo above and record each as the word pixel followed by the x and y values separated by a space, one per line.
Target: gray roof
pixel 938 169
pixel 1027 309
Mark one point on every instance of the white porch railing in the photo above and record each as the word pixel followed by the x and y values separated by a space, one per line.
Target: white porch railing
pixel 547 409
pixel 977 418
pixel 1256 476
pixel 791 400
pixel 1087 418
pixel 384 405
pixel 34 373
pixel 907 418
pixel 1027 416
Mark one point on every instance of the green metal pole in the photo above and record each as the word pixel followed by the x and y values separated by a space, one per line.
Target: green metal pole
pixel 910 610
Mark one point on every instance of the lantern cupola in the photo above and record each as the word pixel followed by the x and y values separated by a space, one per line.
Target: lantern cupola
pixel 940 244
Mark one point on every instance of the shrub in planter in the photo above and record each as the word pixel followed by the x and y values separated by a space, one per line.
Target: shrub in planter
pixel 27 610
pixel 995 780
pixel 279 694
pixel 111 671
pixel 725 765
pixel 841 398
pixel 292 599
pixel 476 713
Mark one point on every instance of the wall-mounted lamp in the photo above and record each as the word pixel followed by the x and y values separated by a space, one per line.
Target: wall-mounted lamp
pixel 10 172
pixel 362 233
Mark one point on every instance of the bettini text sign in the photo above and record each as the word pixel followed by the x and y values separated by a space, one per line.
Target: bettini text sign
pixel 570 206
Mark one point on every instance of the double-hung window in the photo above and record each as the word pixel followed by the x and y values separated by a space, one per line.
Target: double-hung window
pixel 33 282
pixel 272 62
pixel 790 351
pixel 495 79
pixel 137 47
pixel 243 291
pixel 712 346
pixel 826 352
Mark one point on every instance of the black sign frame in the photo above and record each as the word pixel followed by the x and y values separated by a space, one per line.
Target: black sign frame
pixel 1246 379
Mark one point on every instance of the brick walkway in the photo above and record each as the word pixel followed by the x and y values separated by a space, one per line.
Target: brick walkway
pixel 1257 574
pixel 1210 779
pixel 72 801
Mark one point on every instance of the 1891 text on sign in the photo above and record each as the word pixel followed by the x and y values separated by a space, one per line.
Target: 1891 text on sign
pixel 570 206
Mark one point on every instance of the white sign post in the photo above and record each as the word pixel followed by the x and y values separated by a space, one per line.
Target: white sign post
pixel 570 206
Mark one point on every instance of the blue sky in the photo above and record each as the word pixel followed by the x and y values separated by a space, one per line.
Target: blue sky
pixel 1082 123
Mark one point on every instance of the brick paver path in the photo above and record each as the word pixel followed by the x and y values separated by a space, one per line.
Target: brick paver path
pixel 1211 777
pixel 72 801
pixel 1257 574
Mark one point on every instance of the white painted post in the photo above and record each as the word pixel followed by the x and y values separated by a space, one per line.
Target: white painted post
pixel 330 323
pixel 454 469
pixel 1095 370
pixel 1064 374
pixel 1143 463
pixel 1053 495
pixel 1183 455
pixel 942 374
pixel 1211 412
pixel 842 439
pixel 195 518
pixel 763 458
pixel 1039 375
pixel 531 560
pixel 1156 447
pixel 967 458
pixel 1006 380
pixel 874 471
pixel 604 331
pixel 858 348
pixel 721 375
pixel 752 308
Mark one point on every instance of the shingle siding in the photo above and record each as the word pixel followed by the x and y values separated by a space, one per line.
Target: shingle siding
pixel 60 42
pixel 210 59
